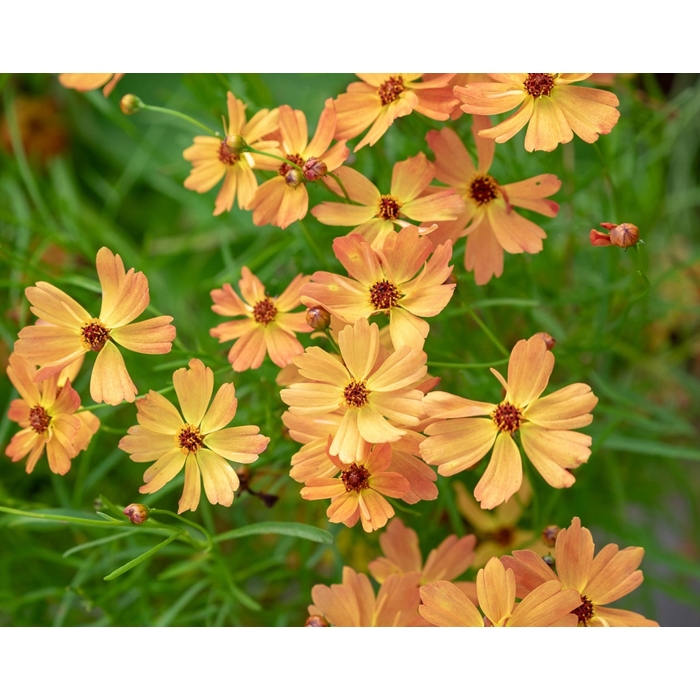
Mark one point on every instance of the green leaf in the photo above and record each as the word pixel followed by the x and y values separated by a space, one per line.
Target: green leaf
pixel 305 532
pixel 135 562
pixel 647 447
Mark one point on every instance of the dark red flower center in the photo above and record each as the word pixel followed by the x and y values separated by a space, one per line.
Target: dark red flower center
pixel 226 156
pixel 39 419
pixel 507 417
pixel 539 84
pixel 504 536
pixel 584 612
pixel 482 189
pixel 189 438
pixel 390 90
pixel 95 335
pixel 356 394
pixel 355 479
pixel 384 295
pixel 264 311
pixel 292 158
pixel 389 207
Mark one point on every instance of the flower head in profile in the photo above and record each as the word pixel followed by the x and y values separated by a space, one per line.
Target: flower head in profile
pixel 284 199
pixel 269 327
pixel 353 603
pixel 620 235
pixel 383 97
pixel 375 215
pixel 67 330
pixel 84 82
pixel 397 280
pixel 195 438
pixel 554 108
pixel 599 580
pixel 213 158
pixel 489 220
pixel 461 437
pixel 548 605
pixel 45 412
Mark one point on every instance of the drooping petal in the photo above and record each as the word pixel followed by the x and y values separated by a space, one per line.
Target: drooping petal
pixel 194 387
pixel 503 475
pixel 110 382
pixel 220 480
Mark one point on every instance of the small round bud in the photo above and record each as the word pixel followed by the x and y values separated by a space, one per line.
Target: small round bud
pixel 137 513
pixel 314 169
pixel 316 621
pixel 293 178
pixel 130 104
pixel 548 559
pixel 235 144
pixel 548 340
pixel 624 235
pixel 549 534
pixel 318 318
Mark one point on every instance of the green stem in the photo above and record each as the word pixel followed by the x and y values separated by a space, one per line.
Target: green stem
pixel 486 330
pixel 467 365
pixel 180 115
pixel 340 184
pixel 248 149
pixel 197 526
pixel 135 562
pixel 334 345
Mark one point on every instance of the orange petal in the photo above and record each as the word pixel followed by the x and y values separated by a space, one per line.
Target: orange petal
pixel 194 387
pixel 110 382
pixel 495 587
pixel 444 605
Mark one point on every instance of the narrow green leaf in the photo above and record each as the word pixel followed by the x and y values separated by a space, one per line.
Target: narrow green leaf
pixel 647 447
pixel 305 532
pixel 135 562
pixel 97 543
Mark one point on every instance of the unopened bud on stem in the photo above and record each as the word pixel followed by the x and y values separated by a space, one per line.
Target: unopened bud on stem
pixel 130 104
pixel 314 169
pixel 137 513
pixel 318 318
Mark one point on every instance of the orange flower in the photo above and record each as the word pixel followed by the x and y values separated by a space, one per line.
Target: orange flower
pixel 45 412
pixel 353 603
pixel 598 580
pixel 383 97
pixel 555 109
pixel 358 492
pixel 284 198
pixel 395 280
pixel 548 605
pixel 461 439
pixel 269 327
pixel 200 442
pixel 90 81
pixel 213 158
pixel 369 392
pixel 489 220
pixel 69 331
pixel 377 214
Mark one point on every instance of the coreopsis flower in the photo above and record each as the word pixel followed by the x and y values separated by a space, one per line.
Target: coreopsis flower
pixel 489 220
pixel 353 603
pixel 375 215
pixel 546 427
pixel 397 280
pixel 621 235
pixel 284 199
pixel 213 158
pixel 46 414
pixel 497 532
pixel 89 422
pixel 269 327
pixel 555 109
pixel 68 331
pixel 358 492
pixel 84 82
pixel 599 580
pixel 383 97
pixel 368 392
pixel 195 438
pixel 548 605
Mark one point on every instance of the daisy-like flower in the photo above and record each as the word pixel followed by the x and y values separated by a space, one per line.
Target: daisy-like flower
pixel 599 580
pixel 368 392
pixel 396 281
pixel 84 82
pixel 489 220
pixel 69 331
pixel 269 327
pixel 545 425
pixel 213 158
pixel 353 603
pixel 382 97
pixel 46 414
pixel 548 605
pixel 358 493
pixel 200 441
pixel 375 215
pixel 284 199
pixel 555 109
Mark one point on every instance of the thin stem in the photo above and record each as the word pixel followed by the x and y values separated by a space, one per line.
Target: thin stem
pixel 248 149
pixel 334 345
pixel 463 365
pixel 486 330
pixel 340 184
pixel 197 526
pixel 180 115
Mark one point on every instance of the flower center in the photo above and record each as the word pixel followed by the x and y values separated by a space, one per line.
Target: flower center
pixel 95 335
pixel 356 394
pixel 264 311
pixel 504 536
pixel 482 189
pixel 507 417
pixel 189 438
pixel 389 207
pixel 539 84
pixel 584 612
pixel 384 295
pixel 226 156
pixel 390 90
pixel 355 479
pixel 39 419
pixel 292 158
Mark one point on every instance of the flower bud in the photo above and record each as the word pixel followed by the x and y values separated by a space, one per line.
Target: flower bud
pixel 548 340
pixel 316 621
pixel 235 144
pixel 318 318
pixel 314 169
pixel 137 513
pixel 293 178
pixel 130 104
pixel 549 534
pixel 548 559
pixel 621 235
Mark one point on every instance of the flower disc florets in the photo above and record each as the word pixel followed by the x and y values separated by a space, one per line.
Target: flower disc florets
pixel 95 335
pixel 355 479
pixel 483 189
pixel 390 90
pixel 189 438
pixel 265 311
pixel 39 419
pixel 507 417
pixel 356 394
pixel 539 84
pixel 384 295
